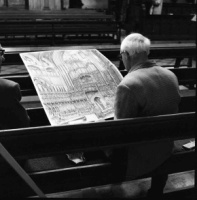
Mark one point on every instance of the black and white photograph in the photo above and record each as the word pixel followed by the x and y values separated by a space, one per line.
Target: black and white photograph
pixel 98 99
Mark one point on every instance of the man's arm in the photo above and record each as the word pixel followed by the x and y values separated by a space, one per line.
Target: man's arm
pixel 126 105
pixel 19 112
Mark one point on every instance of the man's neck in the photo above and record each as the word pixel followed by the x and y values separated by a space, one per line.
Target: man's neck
pixel 137 64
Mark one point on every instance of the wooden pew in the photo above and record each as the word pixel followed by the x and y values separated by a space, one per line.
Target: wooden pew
pixel 176 49
pixel 38 28
pixel 55 15
pixel 168 27
pixel 178 9
pixel 47 141
pixel 37 113
pixel 57 32
pixel 186 76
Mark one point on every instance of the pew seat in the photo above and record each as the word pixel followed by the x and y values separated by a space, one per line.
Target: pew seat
pixel 134 190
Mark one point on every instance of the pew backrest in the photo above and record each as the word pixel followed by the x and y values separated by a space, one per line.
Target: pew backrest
pixel 112 52
pixel 83 137
pixel 57 28
pixel 168 27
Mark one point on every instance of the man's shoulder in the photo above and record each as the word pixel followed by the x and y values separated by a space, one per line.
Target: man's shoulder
pixel 131 79
pixel 165 73
pixel 4 83
pixel 8 87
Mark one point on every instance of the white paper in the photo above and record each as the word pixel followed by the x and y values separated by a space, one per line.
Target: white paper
pixel 73 85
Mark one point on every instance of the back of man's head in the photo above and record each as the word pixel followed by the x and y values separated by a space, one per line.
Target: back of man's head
pixel 135 43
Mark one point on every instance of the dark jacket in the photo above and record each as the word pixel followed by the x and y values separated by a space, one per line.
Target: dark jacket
pixel 12 113
pixel 148 91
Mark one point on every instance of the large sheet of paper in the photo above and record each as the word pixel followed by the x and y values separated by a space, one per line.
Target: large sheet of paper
pixel 73 84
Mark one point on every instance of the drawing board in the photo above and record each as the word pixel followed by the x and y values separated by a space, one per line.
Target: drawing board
pixel 73 84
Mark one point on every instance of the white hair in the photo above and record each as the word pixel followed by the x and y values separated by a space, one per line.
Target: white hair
pixel 135 43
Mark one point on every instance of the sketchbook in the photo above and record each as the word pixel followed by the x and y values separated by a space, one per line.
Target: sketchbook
pixel 73 85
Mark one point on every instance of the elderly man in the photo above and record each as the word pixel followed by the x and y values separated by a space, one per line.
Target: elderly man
pixel 147 90
pixel 12 113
